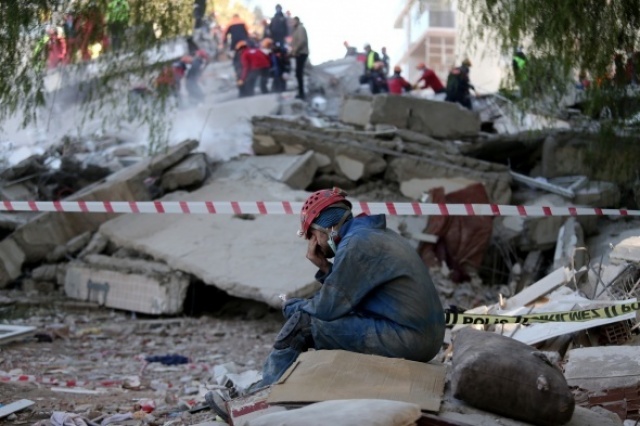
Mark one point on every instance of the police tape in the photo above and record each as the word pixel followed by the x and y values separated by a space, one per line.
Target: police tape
pixel 452 318
pixel 287 207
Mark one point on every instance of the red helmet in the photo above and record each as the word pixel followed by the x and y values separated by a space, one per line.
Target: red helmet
pixel 317 202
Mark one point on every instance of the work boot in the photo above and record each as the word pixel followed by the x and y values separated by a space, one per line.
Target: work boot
pixel 217 403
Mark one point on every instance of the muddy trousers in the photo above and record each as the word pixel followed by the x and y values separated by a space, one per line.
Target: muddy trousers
pixel 356 333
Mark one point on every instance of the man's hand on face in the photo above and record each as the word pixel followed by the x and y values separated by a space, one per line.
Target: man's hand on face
pixel 316 256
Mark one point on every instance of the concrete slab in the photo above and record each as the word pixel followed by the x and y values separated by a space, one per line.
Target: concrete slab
pixel 603 367
pixel 128 284
pixel 443 120
pixel 598 194
pixel 255 259
pixel 189 172
pixel 297 171
pixel 356 109
pixel 627 250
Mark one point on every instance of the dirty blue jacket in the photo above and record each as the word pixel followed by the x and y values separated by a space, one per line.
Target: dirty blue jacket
pixel 377 298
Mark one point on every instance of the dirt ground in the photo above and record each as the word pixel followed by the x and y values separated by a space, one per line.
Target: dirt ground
pixel 79 346
pixel 90 360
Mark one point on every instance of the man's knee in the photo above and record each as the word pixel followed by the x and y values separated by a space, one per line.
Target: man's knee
pixel 296 333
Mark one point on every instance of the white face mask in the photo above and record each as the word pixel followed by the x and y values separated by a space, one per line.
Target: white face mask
pixel 331 242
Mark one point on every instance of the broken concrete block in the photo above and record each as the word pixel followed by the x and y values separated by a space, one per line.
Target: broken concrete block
pixel 496 180
pixel 128 284
pixel 627 250
pixel 443 120
pixel 96 246
pixel 208 246
pixel 37 238
pixel 598 194
pixel 173 155
pixel 11 259
pixel 300 173
pixel 265 145
pixel 189 172
pixel 45 273
pixel 57 254
pixel 356 109
pixel 415 188
pixel 570 241
pixel 77 243
pixel 358 164
pixel 546 285
pixel 297 171
pixel 540 233
pixel 9 222
pixel 30 165
pixel 61 273
pixel 39 286
pixel 603 367
pixel 22 191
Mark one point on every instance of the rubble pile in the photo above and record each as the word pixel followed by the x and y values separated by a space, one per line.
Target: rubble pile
pixel 95 300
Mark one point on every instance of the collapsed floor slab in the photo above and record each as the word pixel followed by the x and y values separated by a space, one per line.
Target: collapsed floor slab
pixel 256 258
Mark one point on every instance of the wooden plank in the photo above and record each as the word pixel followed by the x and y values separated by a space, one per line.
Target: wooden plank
pixel 546 285
pixel 14 407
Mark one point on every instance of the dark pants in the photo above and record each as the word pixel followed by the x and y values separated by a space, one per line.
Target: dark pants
pixel 301 61
pixel 264 80
pixel 249 84
pixel 279 84
pixel 194 90
pixel 116 31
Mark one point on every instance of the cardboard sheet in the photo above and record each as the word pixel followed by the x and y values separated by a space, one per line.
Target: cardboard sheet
pixel 330 375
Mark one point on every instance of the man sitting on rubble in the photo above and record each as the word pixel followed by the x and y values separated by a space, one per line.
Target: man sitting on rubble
pixel 376 298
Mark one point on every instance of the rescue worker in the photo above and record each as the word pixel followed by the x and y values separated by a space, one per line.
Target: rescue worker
pixel 192 77
pixel 378 79
pixel 351 50
pixel 56 47
pixel 117 21
pixel 169 80
pixel 397 84
pixel 237 65
pixel 236 30
pixel 518 64
pixel 459 84
pixel 255 66
pixel 280 65
pixel 300 51
pixel 429 79
pixel 385 58
pixel 377 286
pixel 371 57
pixel 278 28
pixel 69 29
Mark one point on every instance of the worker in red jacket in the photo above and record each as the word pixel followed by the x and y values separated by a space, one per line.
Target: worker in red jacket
pixel 255 64
pixel 429 79
pixel 397 84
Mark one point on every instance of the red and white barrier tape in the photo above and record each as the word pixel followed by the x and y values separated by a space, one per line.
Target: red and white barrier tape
pixel 286 207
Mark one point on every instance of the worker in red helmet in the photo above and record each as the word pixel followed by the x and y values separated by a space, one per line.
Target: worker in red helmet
pixel 429 79
pixel 377 296
pixel 397 84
